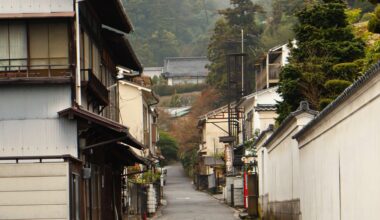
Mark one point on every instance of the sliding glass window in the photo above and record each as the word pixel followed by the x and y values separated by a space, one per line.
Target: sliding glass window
pixel 49 45
pixel 13 46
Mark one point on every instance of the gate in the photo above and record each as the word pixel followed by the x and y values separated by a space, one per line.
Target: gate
pixel 253 194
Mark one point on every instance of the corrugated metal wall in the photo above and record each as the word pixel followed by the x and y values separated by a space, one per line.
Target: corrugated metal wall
pixel 36 6
pixel 34 191
pixel 29 123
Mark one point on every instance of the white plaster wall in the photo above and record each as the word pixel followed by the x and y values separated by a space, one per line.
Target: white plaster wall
pixel 212 133
pixel 262 164
pixel 283 172
pixel 268 97
pixel 131 110
pixel 261 120
pixel 266 118
pixel 170 81
pixel 285 55
pixel 184 80
pixel 29 123
pixel 340 159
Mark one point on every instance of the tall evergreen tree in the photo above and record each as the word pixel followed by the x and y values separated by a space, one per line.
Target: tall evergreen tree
pixel 321 65
pixel 227 39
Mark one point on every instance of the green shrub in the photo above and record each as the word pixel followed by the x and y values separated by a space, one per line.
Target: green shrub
pixel 353 15
pixel 374 22
pixel 374 25
pixel 168 146
pixel 323 103
pixel 347 71
pixel 367 17
pixel 336 86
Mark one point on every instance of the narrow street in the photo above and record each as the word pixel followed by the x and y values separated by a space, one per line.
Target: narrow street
pixel 185 203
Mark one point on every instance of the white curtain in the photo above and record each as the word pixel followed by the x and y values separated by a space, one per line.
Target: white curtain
pixel 18 45
pixel 39 46
pixel 58 44
pixel 4 46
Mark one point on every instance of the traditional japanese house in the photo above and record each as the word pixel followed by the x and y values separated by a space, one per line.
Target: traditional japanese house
pixel 269 66
pixel 137 110
pixel 62 150
pixel 185 70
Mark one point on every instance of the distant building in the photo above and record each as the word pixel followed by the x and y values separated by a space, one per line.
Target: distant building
pixel 153 71
pixel 269 66
pixel 185 70
pixel 178 112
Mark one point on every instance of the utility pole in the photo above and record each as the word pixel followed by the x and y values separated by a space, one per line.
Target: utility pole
pixel 242 62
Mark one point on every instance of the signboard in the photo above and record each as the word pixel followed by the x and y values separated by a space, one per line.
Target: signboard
pixel 229 155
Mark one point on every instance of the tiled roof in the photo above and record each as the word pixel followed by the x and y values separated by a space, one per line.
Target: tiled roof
pixel 304 107
pixel 265 107
pixel 186 66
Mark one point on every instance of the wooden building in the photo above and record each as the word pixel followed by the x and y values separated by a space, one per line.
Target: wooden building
pixel 62 150
pixel 269 66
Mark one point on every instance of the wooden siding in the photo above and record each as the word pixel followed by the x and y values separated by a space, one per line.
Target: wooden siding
pixel 34 191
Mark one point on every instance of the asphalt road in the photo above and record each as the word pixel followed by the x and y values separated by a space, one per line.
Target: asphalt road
pixel 185 203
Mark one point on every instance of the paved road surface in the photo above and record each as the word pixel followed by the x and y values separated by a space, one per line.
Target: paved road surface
pixel 185 203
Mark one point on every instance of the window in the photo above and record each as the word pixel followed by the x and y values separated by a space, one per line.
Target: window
pixel 96 61
pixel 87 52
pixel 49 45
pixel 13 46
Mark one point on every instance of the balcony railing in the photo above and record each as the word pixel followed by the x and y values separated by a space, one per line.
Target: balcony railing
pixel 18 68
pixel 274 75
pixel 274 71
pixel 95 86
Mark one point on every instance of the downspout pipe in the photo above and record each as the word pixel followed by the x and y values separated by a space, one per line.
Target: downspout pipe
pixel 78 95
pixel 156 98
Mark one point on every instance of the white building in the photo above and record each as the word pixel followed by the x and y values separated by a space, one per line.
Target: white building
pixel 153 71
pixel 137 112
pixel 259 111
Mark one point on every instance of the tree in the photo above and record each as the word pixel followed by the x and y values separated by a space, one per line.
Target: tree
pixel 324 40
pixel 226 39
pixel 188 21
pixel 168 146
pixel 374 22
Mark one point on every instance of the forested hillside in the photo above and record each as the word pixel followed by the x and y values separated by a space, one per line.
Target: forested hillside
pixel 165 28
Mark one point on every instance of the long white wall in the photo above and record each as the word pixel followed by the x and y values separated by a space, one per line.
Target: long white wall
pixel 29 123
pixel 340 159
pixel 283 167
